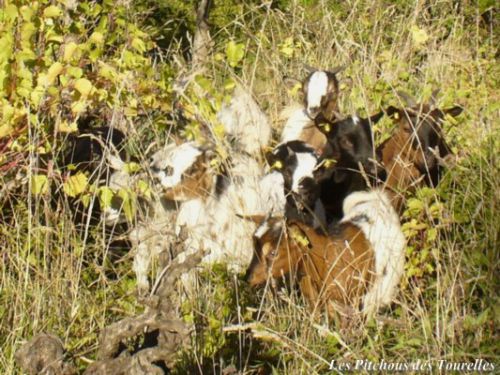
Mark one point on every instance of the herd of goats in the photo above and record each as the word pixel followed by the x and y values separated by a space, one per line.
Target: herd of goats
pixel 320 209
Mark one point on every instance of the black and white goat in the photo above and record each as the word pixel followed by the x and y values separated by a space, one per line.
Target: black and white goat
pixel 297 163
pixel 356 162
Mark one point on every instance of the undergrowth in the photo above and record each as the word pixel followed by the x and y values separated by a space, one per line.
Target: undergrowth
pixel 60 61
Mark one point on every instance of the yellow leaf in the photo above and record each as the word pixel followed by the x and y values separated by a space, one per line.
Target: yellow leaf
pixel 143 188
pixel 64 127
pixel 83 86
pixel 105 196
pixel 96 37
pixel 69 51
pixel 75 185
pixel 5 130
pixel 39 184
pixel 419 35
pixel 52 12
pixel 54 70
pixel 78 106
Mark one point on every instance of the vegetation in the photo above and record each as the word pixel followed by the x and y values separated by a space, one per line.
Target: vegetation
pixel 119 62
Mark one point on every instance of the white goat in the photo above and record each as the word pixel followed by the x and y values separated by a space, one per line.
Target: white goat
pixel 373 212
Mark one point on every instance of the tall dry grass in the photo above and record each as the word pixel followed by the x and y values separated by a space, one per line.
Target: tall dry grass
pixel 55 278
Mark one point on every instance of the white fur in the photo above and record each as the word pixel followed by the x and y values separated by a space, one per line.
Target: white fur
pixel 306 163
pixel 179 158
pixel 317 86
pixel 297 121
pixel 383 230
pixel 243 120
pixel 272 193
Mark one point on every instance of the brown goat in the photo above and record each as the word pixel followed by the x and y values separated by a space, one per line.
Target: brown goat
pixel 332 271
pixel 413 155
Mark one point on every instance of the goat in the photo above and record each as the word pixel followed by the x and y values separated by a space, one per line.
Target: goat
pixel 413 155
pixel 297 162
pixel 351 142
pixel 321 91
pixel 361 259
pixel 209 201
pixel 245 123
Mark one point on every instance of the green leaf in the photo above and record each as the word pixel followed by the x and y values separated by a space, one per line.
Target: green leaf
pixel 143 188
pixel 83 86
pixel 52 11
pixel 131 168
pixel 414 206
pixel 138 45
pixel 54 70
pixel 39 184
pixel 418 35
pixel 234 53
pixel 11 12
pixel 128 203
pixel 27 12
pixel 64 127
pixel 69 50
pixel 97 38
pixel 75 185
pixel 105 196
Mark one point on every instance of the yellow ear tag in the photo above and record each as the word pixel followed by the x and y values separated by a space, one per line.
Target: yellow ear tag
pixel 298 237
pixel 329 163
pixel 327 128
pixel 277 165
pixel 396 116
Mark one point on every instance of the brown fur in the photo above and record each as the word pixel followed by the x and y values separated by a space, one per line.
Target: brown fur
pixel 197 182
pixel 407 161
pixel 333 271
pixel 316 139
pixel 400 160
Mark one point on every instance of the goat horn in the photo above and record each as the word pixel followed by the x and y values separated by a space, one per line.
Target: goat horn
pixel 310 69
pixel 337 69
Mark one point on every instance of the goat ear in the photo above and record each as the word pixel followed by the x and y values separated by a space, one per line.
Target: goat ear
pixel 337 69
pixel 376 118
pixel 310 69
pixel 407 98
pixel 393 112
pixel 454 111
